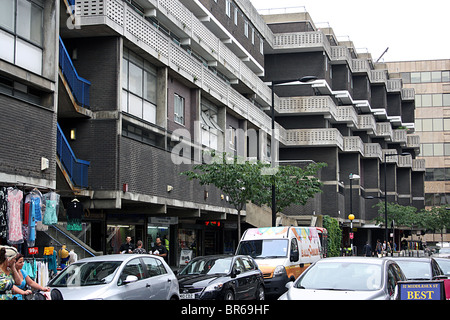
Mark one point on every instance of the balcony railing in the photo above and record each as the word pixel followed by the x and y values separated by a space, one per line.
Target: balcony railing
pixel 76 169
pixel 367 122
pixel 308 106
pixel 354 144
pixel 347 114
pixel 384 129
pixel 79 87
pixel 315 138
pixel 373 150
pixel 418 165
pixel 405 161
pixel 302 40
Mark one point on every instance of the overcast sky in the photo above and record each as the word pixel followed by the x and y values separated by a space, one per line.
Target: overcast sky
pixel 413 30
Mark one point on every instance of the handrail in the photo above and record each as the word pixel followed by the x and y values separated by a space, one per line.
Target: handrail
pixel 73 240
pixel 76 168
pixel 79 86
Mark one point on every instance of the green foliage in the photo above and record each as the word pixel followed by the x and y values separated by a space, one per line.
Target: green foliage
pixel 334 236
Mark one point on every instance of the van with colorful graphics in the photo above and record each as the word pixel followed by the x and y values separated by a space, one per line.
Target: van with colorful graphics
pixel 282 253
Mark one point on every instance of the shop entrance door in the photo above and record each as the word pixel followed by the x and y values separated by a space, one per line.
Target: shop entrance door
pixel 212 243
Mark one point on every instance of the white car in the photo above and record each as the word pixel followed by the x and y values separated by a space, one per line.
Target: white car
pixel 347 278
pixel 118 277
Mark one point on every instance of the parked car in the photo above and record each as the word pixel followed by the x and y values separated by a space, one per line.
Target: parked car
pixel 223 277
pixel 118 276
pixel 347 278
pixel 443 253
pixel 417 268
pixel 444 264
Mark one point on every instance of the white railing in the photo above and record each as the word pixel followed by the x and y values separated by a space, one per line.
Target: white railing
pixel 367 122
pixel 408 94
pixel 413 141
pixel 384 129
pixel 405 161
pixel 297 40
pixel 418 165
pixel 400 136
pixel 390 159
pixel 308 105
pixel 347 114
pixel 354 144
pixel 394 85
pixel 314 137
pixel 373 150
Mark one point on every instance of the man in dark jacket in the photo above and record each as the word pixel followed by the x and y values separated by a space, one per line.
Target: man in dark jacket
pixel 127 247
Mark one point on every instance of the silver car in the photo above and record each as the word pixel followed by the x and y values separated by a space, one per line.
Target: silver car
pixel 118 277
pixel 347 278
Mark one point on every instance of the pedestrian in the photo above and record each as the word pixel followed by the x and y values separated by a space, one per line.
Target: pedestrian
pixel 160 250
pixel 127 247
pixel 379 248
pixel 367 250
pixel 9 276
pixel 25 278
pixel 139 248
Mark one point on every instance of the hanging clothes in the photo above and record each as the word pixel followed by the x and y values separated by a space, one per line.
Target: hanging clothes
pixel 14 216
pixel 74 215
pixel 51 208
pixel 3 211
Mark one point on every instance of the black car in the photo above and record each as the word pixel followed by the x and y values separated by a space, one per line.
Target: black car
pixel 221 277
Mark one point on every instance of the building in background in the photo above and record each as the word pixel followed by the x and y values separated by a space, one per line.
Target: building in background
pixel 431 81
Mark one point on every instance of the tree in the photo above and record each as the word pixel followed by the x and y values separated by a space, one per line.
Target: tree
pixel 334 235
pixel 293 185
pixel 406 216
pixel 240 180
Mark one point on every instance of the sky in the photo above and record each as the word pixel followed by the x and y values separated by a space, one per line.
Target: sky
pixel 412 30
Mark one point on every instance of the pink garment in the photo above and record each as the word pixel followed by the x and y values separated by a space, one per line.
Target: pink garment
pixel 15 235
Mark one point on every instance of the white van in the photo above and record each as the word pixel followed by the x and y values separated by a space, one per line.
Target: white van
pixel 282 253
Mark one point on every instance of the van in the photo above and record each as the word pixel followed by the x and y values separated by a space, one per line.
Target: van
pixel 282 253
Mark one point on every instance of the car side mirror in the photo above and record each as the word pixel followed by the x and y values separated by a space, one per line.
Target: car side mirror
pixel 130 279
pixel 289 285
pixel 235 272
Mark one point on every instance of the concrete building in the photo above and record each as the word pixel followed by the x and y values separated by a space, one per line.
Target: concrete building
pixel 139 88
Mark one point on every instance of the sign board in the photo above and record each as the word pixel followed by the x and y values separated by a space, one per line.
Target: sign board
pixel 48 251
pixel 351 235
pixel 421 290
pixel 185 256
pixel 33 250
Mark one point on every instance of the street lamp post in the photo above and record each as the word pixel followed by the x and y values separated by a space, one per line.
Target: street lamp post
pixel 304 79
pixel 351 216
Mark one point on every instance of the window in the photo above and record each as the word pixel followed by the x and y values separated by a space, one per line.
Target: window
pixel 154 267
pixel 228 8
pixel 253 35
pixel 22 36
pixel 210 127
pixel 246 28
pixel 232 140
pixel 261 45
pixel 133 268
pixel 139 87
pixel 178 109
pixel 236 11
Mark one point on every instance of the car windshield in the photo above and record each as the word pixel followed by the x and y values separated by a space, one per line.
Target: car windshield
pixel 208 266
pixel 341 276
pixel 415 270
pixel 86 274
pixel 264 249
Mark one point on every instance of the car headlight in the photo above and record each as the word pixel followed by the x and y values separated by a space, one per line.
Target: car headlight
pixel 279 270
pixel 214 287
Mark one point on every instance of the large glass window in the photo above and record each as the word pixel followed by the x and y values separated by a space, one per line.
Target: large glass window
pixel 178 109
pixel 21 33
pixel 139 87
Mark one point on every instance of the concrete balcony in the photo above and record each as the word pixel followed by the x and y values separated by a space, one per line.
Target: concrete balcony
pixel 322 105
pixel 399 136
pixel 418 165
pixel 384 129
pixel 372 150
pixel 315 138
pixel 394 85
pixel 347 114
pixel 366 122
pixel 301 42
pixel 408 94
pixel 353 144
pixel 379 76
pixel 392 159
pixel 340 54
pixel 413 141
pixel 404 161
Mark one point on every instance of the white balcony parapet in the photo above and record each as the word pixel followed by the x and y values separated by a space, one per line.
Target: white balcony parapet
pixel 315 138
pixel 408 94
pixel 405 161
pixel 353 144
pixel 394 85
pixel 311 105
pixel 347 114
pixel 367 122
pixel 413 141
pixel 379 76
pixel 384 129
pixel 372 150
pixel 391 159
pixel 341 53
pixel 418 165
pixel 301 40
pixel 400 136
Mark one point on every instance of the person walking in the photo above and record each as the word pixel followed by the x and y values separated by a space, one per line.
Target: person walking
pixel 139 248
pixel 25 278
pixel 160 250
pixel 367 250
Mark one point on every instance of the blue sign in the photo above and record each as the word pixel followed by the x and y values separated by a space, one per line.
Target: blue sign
pixel 422 290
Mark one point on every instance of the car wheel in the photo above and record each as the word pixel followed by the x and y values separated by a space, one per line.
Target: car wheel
pixel 229 295
pixel 260 294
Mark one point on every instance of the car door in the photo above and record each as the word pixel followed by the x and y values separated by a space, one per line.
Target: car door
pixel 242 280
pixel 252 274
pixel 158 280
pixel 136 290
